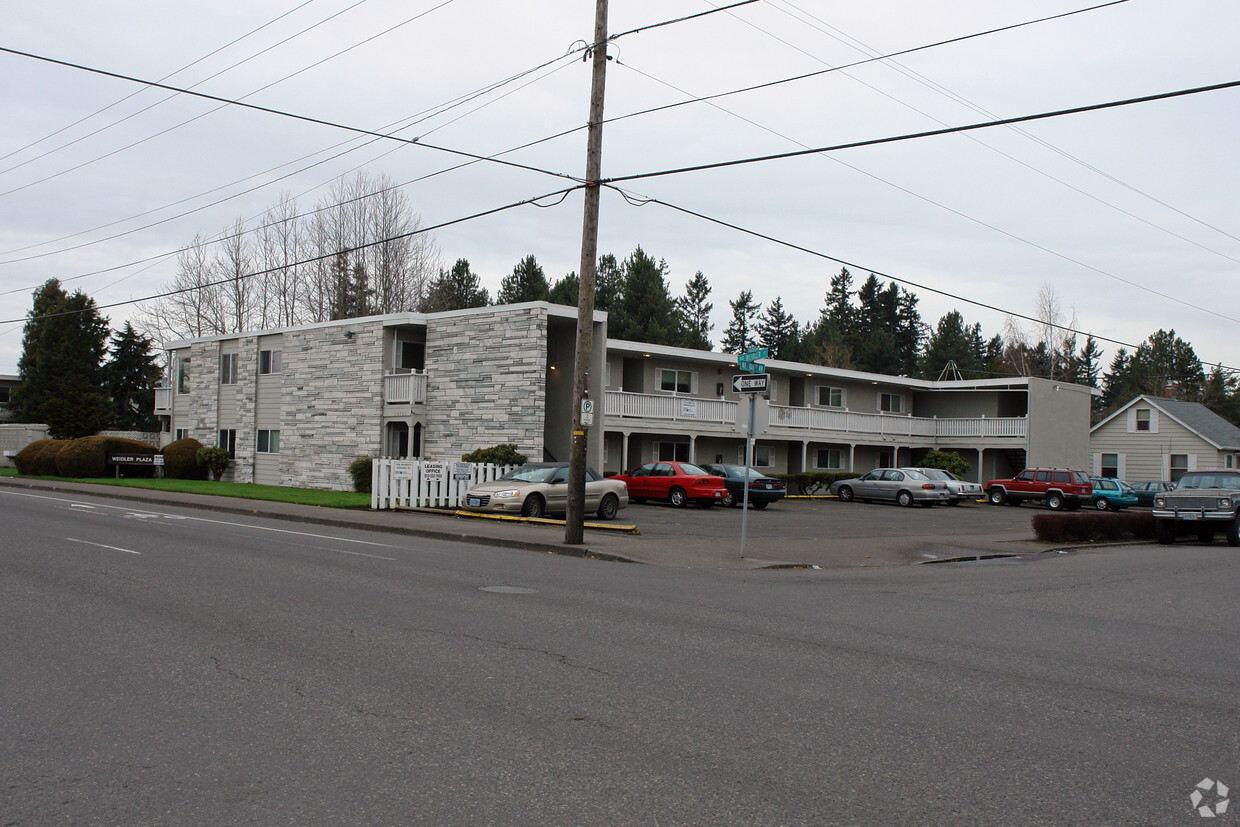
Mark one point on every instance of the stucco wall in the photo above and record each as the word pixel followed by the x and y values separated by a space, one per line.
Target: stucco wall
pixel 1058 426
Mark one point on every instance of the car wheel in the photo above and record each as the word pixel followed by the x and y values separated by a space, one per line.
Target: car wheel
pixel 1055 501
pixel 1101 504
pixel 997 496
pixel 728 500
pixel 534 506
pixel 1232 533
pixel 678 497
pixel 845 494
pixel 609 507
pixel 1164 531
pixel 904 498
pixel 760 505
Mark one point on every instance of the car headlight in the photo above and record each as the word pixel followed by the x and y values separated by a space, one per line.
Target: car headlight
pixel 1160 500
pixel 1224 503
pixel 506 493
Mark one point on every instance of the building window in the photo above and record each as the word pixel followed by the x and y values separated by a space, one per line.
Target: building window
pixel 228 368
pixel 1110 465
pixel 676 381
pixel 672 451
pixel 830 397
pixel 1229 461
pixel 829 458
pixel 1179 466
pixel 5 394
pixel 269 442
pixel 181 433
pixel 228 441
pixel 891 403
pixel 183 376
pixel 1143 419
pixel 270 361
pixel 763 456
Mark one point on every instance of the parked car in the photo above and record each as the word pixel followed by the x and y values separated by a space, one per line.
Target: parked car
pixel 1057 487
pixel 677 482
pixel 1146 490
pixel 763 490
pixel 539 488
pixel 960 489
pixel 1111 494
pixel 1202 502
pixel 904 486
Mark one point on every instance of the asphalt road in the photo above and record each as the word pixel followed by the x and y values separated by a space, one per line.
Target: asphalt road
pixel 168 666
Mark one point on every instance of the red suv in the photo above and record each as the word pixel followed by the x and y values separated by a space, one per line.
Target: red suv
pixel 1059 487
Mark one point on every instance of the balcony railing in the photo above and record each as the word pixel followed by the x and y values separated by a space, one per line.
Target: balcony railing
pixel 404 388
pixel 163 400
pixel 620 404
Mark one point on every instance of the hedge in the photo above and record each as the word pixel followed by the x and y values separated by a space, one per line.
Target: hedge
pixel 812 482
pixel 1094 527
pixel 38 459
pixel 181 460
pixel 87 456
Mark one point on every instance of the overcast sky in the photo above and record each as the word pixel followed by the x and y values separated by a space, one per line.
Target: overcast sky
pixel 1129 214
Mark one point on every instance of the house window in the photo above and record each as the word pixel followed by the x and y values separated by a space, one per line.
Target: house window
pixel 1229 461
pixel 270 361
pixel 228 368
pixel 763 456
pixel 269 441
pixel 672 451
pixel 410 356
pixel 4 394
pixel 183 376
pixel 829 458
pixel 1179 466
pixel 676 381
pixel 1143 419
pixel 1110 465
pixel 830 397
pixel 181 433
pixel 228 441
pixel 891 403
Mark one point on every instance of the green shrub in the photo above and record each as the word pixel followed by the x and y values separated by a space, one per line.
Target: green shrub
pixel 38 459
pixel 181 460
pixel 87 456
pixel 215 460
pixel 505 454
pixel 1094 527
pixel 360 470
pixel 949 461
pixel 812 482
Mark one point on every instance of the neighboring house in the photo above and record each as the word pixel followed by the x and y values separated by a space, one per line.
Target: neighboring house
pixel 7 383
pixel 296 405
pixel 1152 438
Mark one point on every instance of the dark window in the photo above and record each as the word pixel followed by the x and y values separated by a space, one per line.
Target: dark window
pixel 270 361
pixel 228 441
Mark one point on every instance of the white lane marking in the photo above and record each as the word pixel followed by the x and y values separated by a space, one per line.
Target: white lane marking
pixel 80 505
pixel 241 525
pixel 101 545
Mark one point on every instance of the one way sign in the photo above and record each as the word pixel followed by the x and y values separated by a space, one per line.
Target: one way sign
pixel 749 382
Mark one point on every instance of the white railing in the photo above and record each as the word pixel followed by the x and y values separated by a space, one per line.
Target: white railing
pixel 163 400
pixel 404 388
pixel 414 483
pixel 620 404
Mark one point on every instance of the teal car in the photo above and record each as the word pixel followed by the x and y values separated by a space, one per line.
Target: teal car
pixel 1111 494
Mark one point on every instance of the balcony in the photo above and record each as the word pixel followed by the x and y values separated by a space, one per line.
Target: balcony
pixel 404 388
pixel 163 401
pixel 622 405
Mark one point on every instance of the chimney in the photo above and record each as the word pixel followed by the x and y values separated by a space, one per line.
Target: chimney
pixel 1169 390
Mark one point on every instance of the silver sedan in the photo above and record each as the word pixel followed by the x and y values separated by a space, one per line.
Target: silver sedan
pixel 904 486
pixel 960 489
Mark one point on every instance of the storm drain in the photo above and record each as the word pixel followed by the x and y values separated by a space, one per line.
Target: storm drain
pixel 970 558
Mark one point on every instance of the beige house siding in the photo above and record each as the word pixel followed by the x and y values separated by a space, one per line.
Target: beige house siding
pixel 1146 455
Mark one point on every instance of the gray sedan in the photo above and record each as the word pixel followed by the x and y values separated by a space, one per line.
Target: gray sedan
pixel 960 489
pixel 904 486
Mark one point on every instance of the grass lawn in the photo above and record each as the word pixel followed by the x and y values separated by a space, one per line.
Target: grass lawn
pixel 272 493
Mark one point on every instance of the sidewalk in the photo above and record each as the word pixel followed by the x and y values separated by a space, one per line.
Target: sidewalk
pixel 547 536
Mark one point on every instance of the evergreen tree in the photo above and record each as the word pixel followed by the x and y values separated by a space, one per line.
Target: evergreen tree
pixel 132 375
pixel 908 333
pixel 952 341
pixel 566 291
pixel 608 284
pixel 61 367
pixel 777 330
pixel 741 332
pixel 353 296
pixel 693 313
pixel 526 283
pixel 455 289
pixel 646 312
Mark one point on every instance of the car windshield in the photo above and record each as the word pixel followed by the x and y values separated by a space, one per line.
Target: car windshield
pixel 1219 480
pixel 527 473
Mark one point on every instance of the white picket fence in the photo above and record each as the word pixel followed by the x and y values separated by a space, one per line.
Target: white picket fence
pixel 420 483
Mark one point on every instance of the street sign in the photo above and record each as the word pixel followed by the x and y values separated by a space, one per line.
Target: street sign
pixel 750 382
pixel 587 406
pixel 761 416
pixel 748 361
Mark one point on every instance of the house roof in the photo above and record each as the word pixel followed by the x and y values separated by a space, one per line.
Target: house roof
pixel 1192 415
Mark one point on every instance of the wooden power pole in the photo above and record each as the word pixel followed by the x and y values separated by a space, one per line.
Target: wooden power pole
pixel 574 524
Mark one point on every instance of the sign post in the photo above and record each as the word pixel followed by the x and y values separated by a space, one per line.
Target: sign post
pixel 751 420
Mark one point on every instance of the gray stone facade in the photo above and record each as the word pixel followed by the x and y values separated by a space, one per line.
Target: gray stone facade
pixel 486 382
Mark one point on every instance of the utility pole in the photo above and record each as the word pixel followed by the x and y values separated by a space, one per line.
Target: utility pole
pixel 575 518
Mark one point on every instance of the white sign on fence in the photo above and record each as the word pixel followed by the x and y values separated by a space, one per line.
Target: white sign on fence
pixel 462 470
pixel 411 483
pixel 434 471
pixel 403 469
pixel 688 408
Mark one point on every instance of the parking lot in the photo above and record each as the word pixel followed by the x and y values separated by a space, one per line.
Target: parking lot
pixel 828 532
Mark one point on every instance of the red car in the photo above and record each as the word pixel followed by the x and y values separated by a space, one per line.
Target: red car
pixel 676 482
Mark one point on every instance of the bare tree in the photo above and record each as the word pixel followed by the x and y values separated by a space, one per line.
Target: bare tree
pixel 281 246
pixel 194 307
